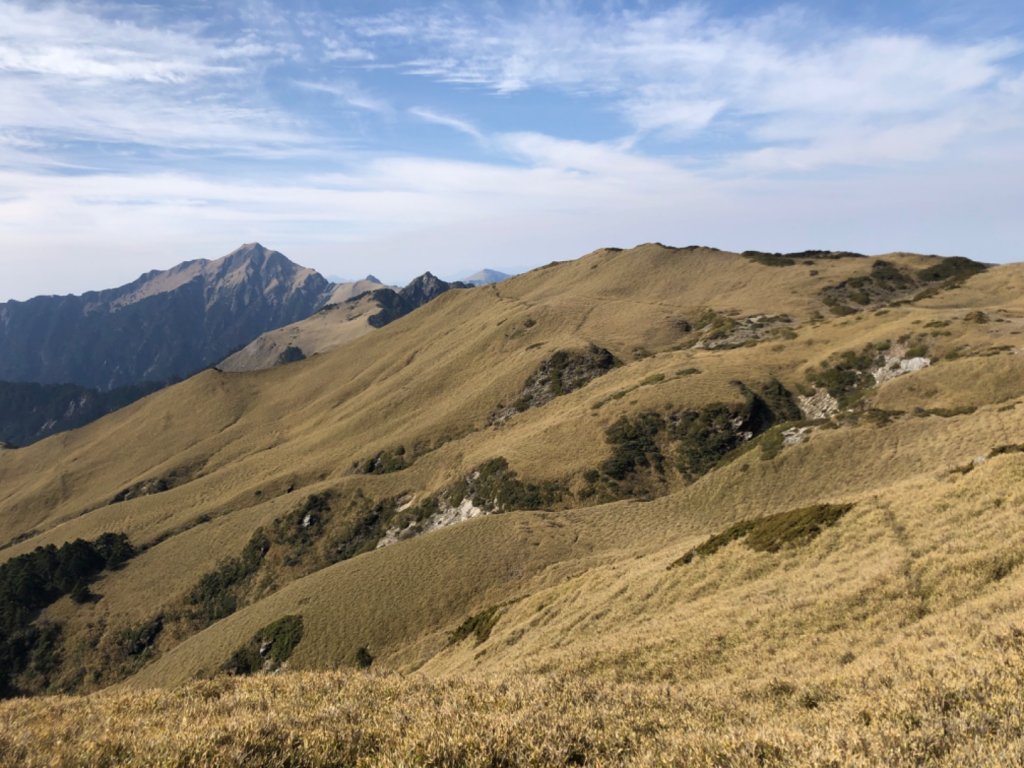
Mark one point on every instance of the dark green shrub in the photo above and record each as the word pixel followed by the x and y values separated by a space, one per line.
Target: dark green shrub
pixel 81 594
pixel 361 537
pixel 564 372
pixel 269 648
pixel 479 625
pixel 1004 449
pixel 244 661
pixel 772 443
pixel 699 439
pixel 956 268
pixel 390 460
pixel 363 658
pixel 716 542
pixel 215 595
pixel 848 374
pixel 30 582
pixel 495 487
pixel 135 640
pixel 798 526
pixel 634 445
pixel 772 533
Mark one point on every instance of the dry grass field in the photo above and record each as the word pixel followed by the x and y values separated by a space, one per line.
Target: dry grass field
pixel 566 631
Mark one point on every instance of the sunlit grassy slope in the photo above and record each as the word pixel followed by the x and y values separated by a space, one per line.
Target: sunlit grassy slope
pixel 891 637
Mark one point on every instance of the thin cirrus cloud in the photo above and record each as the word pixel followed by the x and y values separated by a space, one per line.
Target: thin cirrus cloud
pixel 448 121
pixel 348 93
pixel 437 137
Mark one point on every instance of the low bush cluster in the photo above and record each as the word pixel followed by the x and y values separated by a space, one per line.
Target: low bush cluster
pixel 30 582
pixel 268 649
pixel 791 259
pixel 384 462
pixel 495 487
pixel 695 440
pixel 773 532
pixel 216 594
pixel 848 374
pixel 478 625
pixel 564 372
pixel 884 284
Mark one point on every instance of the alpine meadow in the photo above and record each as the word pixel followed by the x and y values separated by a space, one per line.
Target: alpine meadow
pixel 776 520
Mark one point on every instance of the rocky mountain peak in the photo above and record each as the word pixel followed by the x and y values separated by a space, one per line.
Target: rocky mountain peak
pixel 166 324
pixel 425 288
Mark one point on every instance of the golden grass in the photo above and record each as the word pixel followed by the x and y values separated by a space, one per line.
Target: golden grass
pixel 898 714
pixel 894 638
pixel 906 609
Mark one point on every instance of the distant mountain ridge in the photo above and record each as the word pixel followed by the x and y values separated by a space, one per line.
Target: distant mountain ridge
pixel 355 309
pixel 486 277
pixel 164 325
pixel 396 304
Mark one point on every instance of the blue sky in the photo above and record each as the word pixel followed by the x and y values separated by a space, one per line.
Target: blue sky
pixel 396 137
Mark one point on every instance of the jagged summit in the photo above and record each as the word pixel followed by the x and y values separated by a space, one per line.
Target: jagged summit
pixel 426 287
pixel 164 325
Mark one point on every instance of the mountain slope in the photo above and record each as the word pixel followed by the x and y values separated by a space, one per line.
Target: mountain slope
pixel 163 326
pixel 644 400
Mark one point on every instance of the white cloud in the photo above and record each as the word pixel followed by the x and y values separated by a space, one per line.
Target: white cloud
pixel 350 93
pixel 69 75
pixel 407 213
pixel 675 72
pixel 455 123
pixel 819 137
pixel 59 41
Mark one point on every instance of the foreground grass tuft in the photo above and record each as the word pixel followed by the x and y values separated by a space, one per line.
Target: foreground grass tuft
pixel 312 720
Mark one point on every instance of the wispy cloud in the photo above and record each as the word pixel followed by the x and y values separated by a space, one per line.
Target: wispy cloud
pixel 678 71
pixel 147 135
pixel 455 123
pixel 59 41
pixel 349 93
pixel 72 75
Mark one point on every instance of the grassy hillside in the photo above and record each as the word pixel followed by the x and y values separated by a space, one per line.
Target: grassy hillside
pixel 648 401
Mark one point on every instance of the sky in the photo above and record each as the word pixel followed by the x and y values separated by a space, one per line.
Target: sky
pixel 392 138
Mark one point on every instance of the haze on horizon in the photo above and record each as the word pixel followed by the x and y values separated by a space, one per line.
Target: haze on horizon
pixel 398 137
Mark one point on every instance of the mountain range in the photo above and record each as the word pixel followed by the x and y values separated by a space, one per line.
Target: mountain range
pixel 657 505
pixel 66 360
pixel 164 325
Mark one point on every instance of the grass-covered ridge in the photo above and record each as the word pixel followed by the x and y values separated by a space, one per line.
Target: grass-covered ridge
pixel 308 457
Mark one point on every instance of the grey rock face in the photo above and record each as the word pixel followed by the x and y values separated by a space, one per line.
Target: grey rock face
pixel 163 326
